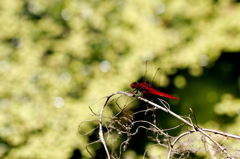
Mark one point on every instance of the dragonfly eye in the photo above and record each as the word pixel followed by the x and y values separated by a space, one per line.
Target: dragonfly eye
pixel 133 85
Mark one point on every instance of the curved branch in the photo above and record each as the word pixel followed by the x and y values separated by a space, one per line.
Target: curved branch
pixel 166 109
pixel 182 119
pixel 175 141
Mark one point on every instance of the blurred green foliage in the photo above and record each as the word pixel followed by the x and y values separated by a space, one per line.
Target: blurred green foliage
pixel 51 51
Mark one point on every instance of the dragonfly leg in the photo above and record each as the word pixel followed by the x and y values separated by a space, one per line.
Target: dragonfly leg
pixel 135 91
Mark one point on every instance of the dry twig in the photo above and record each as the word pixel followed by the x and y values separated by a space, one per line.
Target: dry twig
pixel 125 125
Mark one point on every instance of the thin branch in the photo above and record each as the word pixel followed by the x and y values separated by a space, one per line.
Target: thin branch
pixel 79 127
pixel 222 133
pixel 115 122
pixel 101 136
pixel 215 142
pixel 182 119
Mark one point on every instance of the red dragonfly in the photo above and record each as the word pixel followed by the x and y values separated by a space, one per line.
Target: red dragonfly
pixel 148 89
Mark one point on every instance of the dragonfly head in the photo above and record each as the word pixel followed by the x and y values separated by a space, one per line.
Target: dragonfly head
pixel 133 85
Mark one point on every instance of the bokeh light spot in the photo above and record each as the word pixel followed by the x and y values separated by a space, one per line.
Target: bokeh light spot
pixel 4 66
pixel 59 102
pixel 160 9
pixel 105 66
pixel 65 77
pixel 65 14
pixel 164 81
pixel 180 81
pixel 203 60
pixel 195 71
pixel 33 7
pixel 212 96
